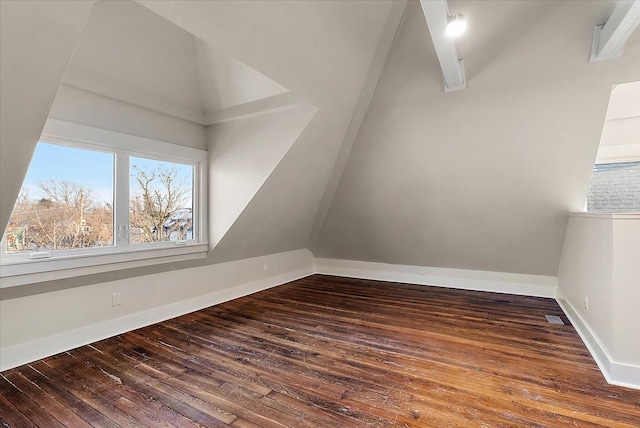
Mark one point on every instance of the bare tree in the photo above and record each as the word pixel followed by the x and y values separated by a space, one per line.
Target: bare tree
pixel 157 208
pixel 68 216
pixel 17 231
pixel 68 193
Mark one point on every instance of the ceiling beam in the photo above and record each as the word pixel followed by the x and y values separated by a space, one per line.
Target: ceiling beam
pixel 609 38
pixel 436 13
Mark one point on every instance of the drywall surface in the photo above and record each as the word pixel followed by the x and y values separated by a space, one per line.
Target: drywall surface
pixel 619 142
pixel 86 108
pixel 226 82
pixel 478 179
pixel 125 43
pixel 242 154
pixel 600 263
pixel 320 51
pixel 587 271
pixel 368 89
pixel 37 39
pixel 626 290
pixel 35 326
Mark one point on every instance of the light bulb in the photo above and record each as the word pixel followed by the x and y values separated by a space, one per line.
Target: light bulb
pixel 456 26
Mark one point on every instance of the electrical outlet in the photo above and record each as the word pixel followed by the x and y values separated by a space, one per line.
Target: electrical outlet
pixel 586 303
pixel 265 267
pixel 116 299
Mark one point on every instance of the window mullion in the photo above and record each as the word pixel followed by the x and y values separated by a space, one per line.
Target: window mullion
pixel 121 200
pixel 195 207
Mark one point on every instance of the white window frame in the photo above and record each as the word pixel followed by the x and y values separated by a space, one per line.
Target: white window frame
pixel 23 268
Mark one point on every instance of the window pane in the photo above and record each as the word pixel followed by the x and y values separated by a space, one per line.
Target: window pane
pixel 66 201
pixel 161 201
pixel 614 188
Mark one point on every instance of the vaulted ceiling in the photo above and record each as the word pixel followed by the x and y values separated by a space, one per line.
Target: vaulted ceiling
pixel 131 54
pixel 481 178
pixel 326 122
pixel 621 132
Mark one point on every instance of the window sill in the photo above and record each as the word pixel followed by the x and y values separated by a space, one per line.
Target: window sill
pixel 28 272
pixel 598 214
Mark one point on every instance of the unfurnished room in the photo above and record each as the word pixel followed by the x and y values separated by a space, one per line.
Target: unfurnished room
pixel 319 213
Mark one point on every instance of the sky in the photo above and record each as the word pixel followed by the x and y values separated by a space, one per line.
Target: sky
pixel 88 167
pixel 95 169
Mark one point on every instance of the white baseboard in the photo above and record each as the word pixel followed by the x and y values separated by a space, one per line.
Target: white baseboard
pixel 300 267
pixel 615 373
pixel 40 348
pixel 499 282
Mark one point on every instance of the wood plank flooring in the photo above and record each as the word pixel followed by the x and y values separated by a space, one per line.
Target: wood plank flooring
pixel 330 352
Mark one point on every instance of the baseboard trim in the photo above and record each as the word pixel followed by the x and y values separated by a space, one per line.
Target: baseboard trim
pixel 498 282
pixel 31 351
pixel 614 373
pixel 529 285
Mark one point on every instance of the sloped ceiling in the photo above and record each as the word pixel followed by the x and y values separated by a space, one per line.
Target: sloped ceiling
pixel 37 39
pixel 124 42
pixel 481 178
pixel 319 50
pixel 226 82
pixel 621 133
pixel 131 54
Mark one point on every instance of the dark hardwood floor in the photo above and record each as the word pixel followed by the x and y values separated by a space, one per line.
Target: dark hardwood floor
pixel 330 352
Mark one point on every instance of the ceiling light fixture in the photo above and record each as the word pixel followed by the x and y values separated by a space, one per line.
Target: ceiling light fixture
pixel 456 25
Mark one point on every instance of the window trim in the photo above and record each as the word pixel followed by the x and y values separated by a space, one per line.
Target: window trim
pixel 68 263
pixel 618 154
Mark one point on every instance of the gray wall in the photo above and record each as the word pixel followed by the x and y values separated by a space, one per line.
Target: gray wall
pixel 482 178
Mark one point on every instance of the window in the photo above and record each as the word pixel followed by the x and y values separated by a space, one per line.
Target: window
pixel 95 195
pixel 66 202
pixel 160 201
pixel 615 188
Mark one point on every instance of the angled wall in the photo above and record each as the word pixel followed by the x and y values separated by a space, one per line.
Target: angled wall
pixel 598 289
pixel 321 51
pixel 483 178
pixel 242 155
pixel 37 39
